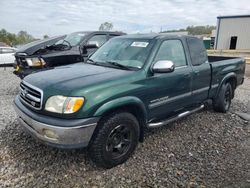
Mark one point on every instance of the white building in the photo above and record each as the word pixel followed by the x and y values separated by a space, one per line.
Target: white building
pixel 233 32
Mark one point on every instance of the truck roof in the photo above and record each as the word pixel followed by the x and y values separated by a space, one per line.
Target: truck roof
pixel 101 32
pixel 153 36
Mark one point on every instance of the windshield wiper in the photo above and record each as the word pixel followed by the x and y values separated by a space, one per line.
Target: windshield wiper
pixel 67 43
pixel 90 60
pixel 62 45
pixel 114 63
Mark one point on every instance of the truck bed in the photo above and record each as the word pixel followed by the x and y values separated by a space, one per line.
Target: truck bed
pixel 215 59
pixel 221 67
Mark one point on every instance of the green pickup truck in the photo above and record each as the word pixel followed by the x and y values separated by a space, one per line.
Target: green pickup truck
pixel 131 83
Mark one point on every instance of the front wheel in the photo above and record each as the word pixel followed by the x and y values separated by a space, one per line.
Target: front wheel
pixel 223 101
pixel 115 139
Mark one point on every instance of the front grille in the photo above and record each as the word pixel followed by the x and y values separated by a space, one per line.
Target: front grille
pixel 31 95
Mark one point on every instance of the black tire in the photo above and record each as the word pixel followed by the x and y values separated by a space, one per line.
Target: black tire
pixel 223 101
pixel 115 139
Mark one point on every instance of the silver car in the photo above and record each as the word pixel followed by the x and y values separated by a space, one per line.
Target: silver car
pixel 7 56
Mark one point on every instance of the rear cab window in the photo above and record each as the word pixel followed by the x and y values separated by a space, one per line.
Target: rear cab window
pixel 197 51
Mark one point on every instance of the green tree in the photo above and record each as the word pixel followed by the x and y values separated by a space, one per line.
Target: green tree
pixel 199 30
pixel 195 30
pixel 45 36
pixel 23 37
pixel 4 36
pixel 12 39
pixel 106 26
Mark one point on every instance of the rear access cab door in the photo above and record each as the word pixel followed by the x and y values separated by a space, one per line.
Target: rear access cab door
pixel 201 75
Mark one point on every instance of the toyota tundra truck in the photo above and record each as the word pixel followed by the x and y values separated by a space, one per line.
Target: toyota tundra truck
pixel 131 83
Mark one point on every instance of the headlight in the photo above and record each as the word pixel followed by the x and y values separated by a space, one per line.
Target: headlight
pixel 35 62
pixel 64 105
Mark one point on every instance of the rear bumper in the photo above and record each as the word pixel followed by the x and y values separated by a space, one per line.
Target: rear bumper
pixel 75 136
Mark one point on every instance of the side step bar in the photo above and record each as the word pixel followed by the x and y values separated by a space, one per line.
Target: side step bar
pixel 184 114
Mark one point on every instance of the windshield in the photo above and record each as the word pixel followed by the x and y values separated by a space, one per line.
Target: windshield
pixel 124 52
pixel 73 39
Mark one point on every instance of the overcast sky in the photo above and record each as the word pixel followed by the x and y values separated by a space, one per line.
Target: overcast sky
pixel 54 17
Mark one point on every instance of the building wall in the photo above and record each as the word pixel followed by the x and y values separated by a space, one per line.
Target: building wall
pixel 229 27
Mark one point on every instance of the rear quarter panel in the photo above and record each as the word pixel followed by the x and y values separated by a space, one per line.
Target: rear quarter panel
pixel 225 69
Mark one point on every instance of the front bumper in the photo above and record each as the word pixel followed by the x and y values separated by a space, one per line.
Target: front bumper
pixel 75 136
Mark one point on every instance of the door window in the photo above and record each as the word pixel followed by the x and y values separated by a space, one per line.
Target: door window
pixel 99 40
pixel 197 51
pixel 172 50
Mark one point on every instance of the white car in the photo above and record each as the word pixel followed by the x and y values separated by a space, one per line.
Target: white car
pixel 7 56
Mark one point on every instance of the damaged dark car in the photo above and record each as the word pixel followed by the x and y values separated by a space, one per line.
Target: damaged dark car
pixel 57 51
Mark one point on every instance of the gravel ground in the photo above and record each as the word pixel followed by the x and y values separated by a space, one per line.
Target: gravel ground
pixel 9 84
pixel 206 149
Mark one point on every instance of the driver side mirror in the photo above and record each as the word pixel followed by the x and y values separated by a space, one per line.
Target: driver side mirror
pixel 88 46
pixel 163 66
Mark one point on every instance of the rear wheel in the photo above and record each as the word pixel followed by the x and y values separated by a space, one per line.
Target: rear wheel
pixel 223 101
pixel 115 140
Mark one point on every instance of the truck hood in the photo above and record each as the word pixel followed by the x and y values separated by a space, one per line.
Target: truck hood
pixel 63 80
pixel 32 47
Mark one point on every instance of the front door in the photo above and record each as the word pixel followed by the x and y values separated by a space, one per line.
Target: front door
pixel 169 92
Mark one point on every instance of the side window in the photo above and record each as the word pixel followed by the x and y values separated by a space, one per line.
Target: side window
pixel 99 40
pixel 172 50
pixel 197 51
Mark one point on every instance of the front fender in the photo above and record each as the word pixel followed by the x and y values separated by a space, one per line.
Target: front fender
pixel 120 102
